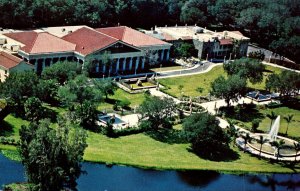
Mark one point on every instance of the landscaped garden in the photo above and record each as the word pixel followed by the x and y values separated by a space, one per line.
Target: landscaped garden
pixel 153 153
pixel 191 83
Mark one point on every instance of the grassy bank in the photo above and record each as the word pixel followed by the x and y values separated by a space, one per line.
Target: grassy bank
pixel 143 150
pixel 191 83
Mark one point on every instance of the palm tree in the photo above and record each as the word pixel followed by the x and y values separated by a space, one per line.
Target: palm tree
pixel 261 141
pixel 288 119
pixel 297 149
pixel 272 116
pixel 278 145
pixel 247 139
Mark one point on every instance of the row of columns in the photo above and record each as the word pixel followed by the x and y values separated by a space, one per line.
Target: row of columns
pixel 42 61
pixel 121 64
pixel 164 55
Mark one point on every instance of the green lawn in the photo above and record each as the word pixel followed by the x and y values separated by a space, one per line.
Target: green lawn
pixel 135 99
pixel 142 150
pixel 191 83
pixel 145 151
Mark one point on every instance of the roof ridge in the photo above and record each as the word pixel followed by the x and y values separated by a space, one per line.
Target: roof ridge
pixel 125 27
pixel 105 34
pixel 31 45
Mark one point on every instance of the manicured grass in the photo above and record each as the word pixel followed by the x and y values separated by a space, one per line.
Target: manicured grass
pixel 142 150
pixel 191 83
pixel 10 126
pixel 135 99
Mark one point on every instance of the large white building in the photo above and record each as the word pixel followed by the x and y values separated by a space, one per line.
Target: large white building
pixel 210 44
pixel 126 48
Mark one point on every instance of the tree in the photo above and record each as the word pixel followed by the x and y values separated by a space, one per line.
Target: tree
pixel 287 83
pixel 61 71
pixel 17 88
pixel 81 96
pixel 232 130
pixel 251 69
pixel 289 119
pixel 157 111
pixel 52 157
pixel 194 11
pixel 247 139
pixel 260 55
pixel 185 50
pixel 261 141
pixel 208 139
pixel 124 104
pixel 297 149
pixel 47 91
pixel 106 86
pixel 33 109
pixel 255 125
pixel 278 145
pixel 232 88
pixel 272 116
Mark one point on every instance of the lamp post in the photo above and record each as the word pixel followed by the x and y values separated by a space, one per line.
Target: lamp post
pixel 230 56
pixel 224 59
pixel 207 57
pixel 103 76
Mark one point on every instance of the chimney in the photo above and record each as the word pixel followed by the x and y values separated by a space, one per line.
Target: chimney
pixel 118 24
pixel 176 25
pixel 166 26
pixel 195 25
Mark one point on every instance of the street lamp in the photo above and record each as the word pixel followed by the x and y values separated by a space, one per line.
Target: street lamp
pixel 230 57
pixel 224 59
pixel 160 67
pixel 103 76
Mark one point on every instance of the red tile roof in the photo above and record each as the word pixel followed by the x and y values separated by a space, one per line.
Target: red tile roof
pixel 168 37
pixel 131 36
pixel 8 61
pixel 36 43
pixel 89 40
pixel 225 41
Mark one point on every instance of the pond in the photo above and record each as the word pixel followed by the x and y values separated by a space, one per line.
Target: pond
pixel 121 178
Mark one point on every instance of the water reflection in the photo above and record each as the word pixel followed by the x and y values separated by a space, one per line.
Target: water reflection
pixel 198 178
pixel 276 182
pixel 100 177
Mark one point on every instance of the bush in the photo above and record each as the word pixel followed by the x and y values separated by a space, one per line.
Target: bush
pixel 7 141
pixel 255 125
pixel 273 105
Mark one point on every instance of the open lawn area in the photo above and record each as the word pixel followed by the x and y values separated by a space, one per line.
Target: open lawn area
pixel 135 99
pixel 147 151
pixel 191 83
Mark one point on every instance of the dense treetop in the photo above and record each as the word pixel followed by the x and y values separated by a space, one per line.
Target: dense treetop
pixel 273 23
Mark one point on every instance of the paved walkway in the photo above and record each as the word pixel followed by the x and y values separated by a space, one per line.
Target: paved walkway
pixel 155 92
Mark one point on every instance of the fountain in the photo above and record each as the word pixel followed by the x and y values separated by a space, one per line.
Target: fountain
pixel 274 130
pixel 255 146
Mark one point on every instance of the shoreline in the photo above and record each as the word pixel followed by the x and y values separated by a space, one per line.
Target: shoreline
pixel 226 170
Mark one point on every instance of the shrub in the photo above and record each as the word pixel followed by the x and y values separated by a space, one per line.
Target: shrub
pixel 255 125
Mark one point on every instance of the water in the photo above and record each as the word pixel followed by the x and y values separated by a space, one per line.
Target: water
pixel 274 129
pixel 120 178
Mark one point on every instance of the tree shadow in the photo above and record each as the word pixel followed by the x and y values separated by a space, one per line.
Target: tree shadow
pixel 292 103
pixel 244 113
pixel 50 114
pixel 6 129
pixel 170 136
pixel 225 154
